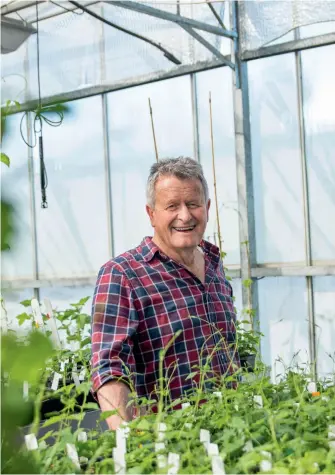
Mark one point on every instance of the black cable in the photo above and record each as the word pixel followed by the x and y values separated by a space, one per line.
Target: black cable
pixel 167 53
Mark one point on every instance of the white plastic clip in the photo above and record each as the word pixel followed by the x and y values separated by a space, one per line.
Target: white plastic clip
pixel 161 459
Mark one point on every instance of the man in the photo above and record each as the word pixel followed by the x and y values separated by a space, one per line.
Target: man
pixel 170 293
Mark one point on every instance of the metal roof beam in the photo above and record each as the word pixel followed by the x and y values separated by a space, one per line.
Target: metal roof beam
pixel 207 45
pixel 181 20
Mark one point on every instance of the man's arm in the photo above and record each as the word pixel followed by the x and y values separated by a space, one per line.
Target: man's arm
pixel 114 322
pixel 115 395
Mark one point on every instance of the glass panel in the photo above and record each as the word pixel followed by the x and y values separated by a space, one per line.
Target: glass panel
pixel 237 293
pixel 11 308
pixel 319 111
pixel 17 263
pixel 219 83
pixel 317 29
pixel 132 149
pixel 324 304
pixel 284 322
pixel 276 160
pixel 73 230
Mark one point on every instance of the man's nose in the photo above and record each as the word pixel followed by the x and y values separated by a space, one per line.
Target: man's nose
pixel 184 214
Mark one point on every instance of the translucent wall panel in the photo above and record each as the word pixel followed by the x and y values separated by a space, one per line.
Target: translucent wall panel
pixel 73 230
pixel 17 263
pixel 319 112
pixel 219 83
pixel 11 308
pixel 276 160
pixel 283 321
pixel 132 149
pixel 324 304
pixel 237 293
pixel 317 29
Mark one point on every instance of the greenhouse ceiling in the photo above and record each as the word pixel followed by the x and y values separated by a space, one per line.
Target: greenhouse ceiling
pixel 89 47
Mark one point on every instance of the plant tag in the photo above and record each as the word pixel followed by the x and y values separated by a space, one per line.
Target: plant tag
pixel 82 436
pixel 25 390
pixel 121 439
pixel 266 464
pixel 205 437
pixel 161 459
pixel 248 446
pixel 185 405
pixel 55 381
pixel 311 387
pixel 36 310
pixel 82 375
pixel 331 431
pixel 173 463
pixel 218 465
pixel 73 454
pixel 52 325
pixel 258 400
pixel 218 394
pixel 161 432
pixel 75 378
pixel 119 462
pixel 212 449
pixel 31 441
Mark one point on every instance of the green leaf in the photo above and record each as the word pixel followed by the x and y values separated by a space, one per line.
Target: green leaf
pixel 62 417
pixel 104 415
pixel 85 341
pixel 5 159
pixel 143 425
pixel 191 375
pixel 90 405
pixel 26 303
pixel 23 317
pixel 7 224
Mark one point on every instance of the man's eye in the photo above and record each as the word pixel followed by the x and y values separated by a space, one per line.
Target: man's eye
pixel 171 207
pixel 192 205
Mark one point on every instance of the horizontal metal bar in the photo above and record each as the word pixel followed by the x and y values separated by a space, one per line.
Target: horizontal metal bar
pixel 17 6
pixel 232 271
pixel 138 81
pixel 298 271
pixel 164 15
pixel 289 47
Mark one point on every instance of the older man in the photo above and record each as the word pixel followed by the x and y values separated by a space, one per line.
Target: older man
pixel 170 293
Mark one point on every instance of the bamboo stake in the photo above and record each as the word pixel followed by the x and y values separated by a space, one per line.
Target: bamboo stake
pixel 214 174
pixel 153 130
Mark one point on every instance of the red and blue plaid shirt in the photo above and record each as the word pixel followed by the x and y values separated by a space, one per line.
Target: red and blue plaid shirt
pixel 142 298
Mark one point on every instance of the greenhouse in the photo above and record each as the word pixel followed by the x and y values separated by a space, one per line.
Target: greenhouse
pixel 94 93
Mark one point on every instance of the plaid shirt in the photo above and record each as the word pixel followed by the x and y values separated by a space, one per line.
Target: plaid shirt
pixel 142 298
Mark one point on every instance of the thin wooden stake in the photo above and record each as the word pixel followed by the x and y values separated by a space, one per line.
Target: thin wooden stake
pixel 153 130
pixel 214 174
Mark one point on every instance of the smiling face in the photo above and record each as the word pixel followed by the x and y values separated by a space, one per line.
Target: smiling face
pixel 180 214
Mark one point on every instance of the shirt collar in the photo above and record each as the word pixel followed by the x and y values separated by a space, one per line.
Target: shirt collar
pixel 149 250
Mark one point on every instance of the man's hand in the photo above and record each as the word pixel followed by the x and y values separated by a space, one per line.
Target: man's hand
pixel 115 395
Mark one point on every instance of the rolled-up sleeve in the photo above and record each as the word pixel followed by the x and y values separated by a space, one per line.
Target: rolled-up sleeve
pixel 114 322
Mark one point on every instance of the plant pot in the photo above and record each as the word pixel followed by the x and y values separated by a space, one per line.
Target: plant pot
pixel 248 362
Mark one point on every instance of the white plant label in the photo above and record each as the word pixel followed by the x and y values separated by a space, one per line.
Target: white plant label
pixel 205 437
pixel 25 390
pixel 212 449
pixel 161 459
pixel 31 441
pixel 55 381
pixel 73 454
pixel 173 463
pixel 266 464
pixel 161 432
pixel 52 325
pixel 258 400
pixel 218 394
pixel 119 462
pixel 217 465
pixel 311 387
pixel 36 310
pixel 82 436
pixel 185 405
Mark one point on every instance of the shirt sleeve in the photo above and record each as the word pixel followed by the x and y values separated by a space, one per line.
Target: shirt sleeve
pixel 114 322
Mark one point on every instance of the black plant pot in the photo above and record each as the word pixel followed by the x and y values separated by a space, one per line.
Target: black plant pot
pixel 248 362
pixel 55 405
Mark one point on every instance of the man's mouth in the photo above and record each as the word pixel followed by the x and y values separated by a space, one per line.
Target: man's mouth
pixel 184 229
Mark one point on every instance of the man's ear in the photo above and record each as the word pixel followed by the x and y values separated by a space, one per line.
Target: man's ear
pixel 150 213
pixel 207 208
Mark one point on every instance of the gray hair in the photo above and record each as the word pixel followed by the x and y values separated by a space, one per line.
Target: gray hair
pixel 184 168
